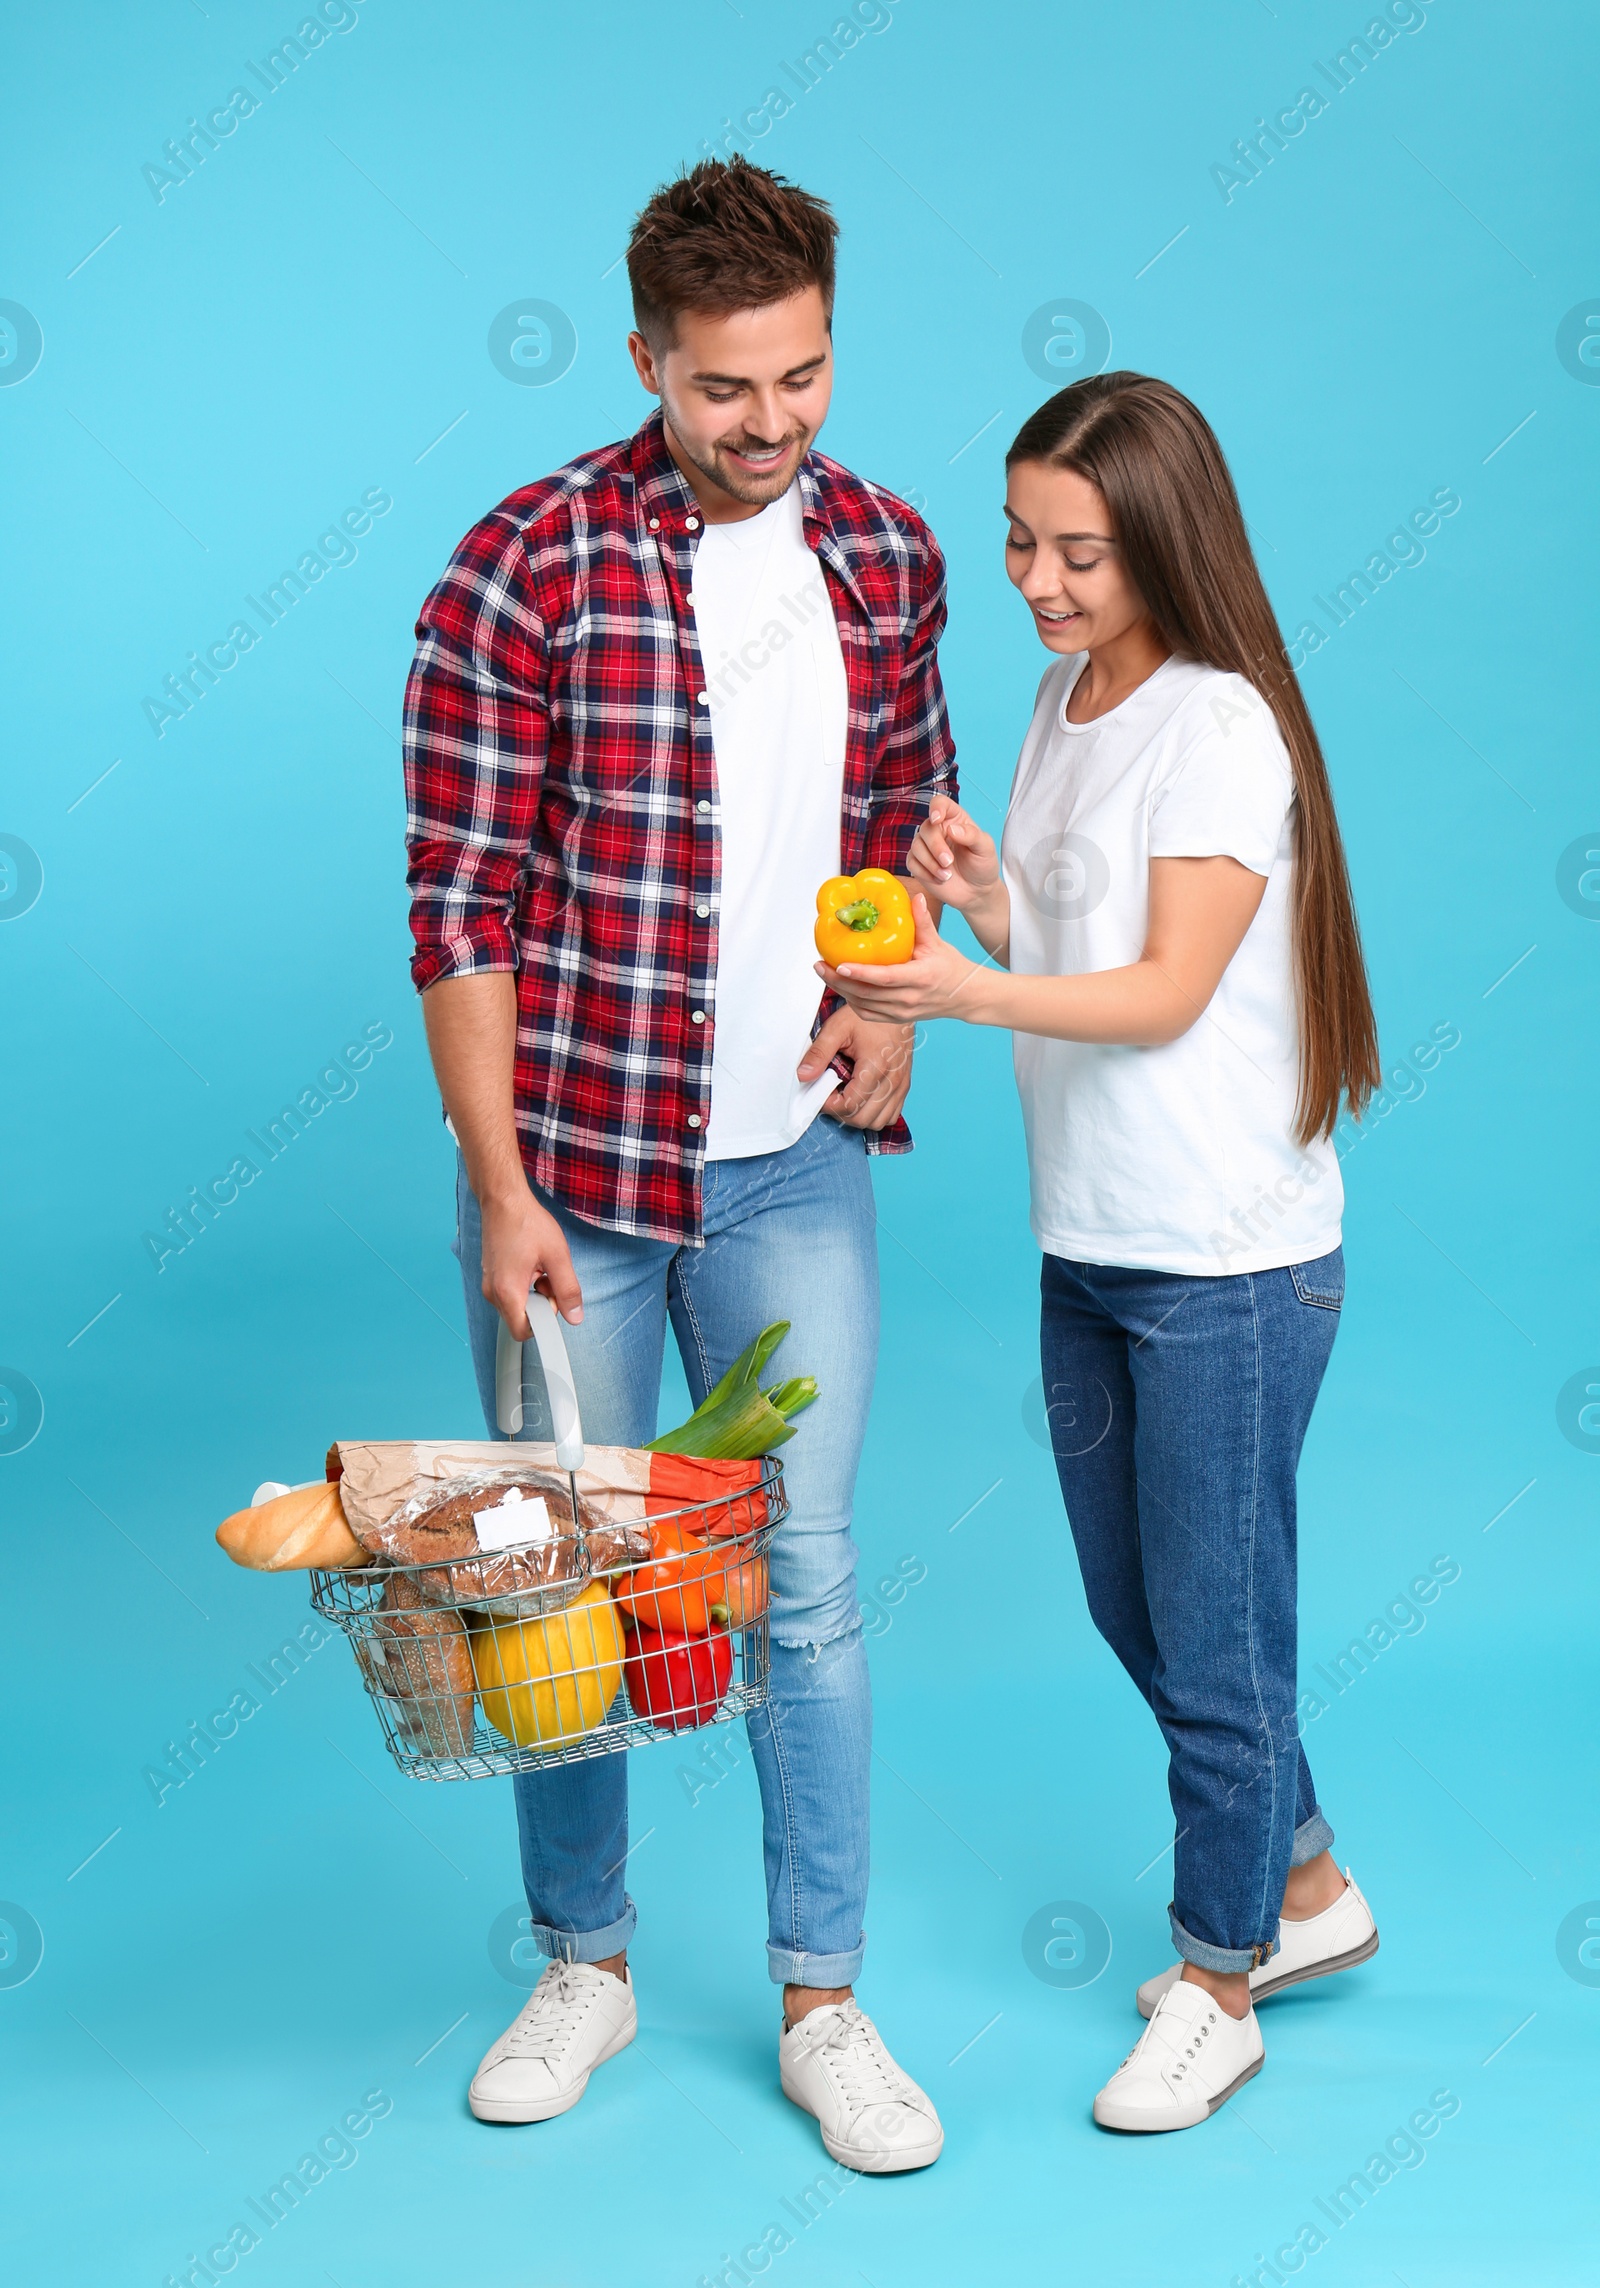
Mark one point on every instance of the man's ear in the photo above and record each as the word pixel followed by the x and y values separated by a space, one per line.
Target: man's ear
pixel 644 363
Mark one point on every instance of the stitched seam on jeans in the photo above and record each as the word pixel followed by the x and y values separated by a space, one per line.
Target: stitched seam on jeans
pixel 1307 1294
pixel 781 1762
pixel 530 1844
pixel 693 1317
pixel 1250 1577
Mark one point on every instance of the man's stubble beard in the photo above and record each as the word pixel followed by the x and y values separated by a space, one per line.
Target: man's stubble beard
pixel 751 492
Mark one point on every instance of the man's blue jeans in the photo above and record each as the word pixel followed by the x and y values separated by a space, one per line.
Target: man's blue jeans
pixel 1177 1410
pixel 788 1235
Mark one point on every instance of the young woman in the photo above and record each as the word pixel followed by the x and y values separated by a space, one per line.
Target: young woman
pixel 1175 950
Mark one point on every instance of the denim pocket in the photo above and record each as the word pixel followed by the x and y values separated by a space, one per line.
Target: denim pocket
pixel 1322 1281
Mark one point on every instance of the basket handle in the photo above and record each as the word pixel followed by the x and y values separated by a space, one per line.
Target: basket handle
pixel 545 1320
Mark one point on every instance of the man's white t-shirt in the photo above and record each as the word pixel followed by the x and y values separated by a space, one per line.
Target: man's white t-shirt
pixel 769 646
pixel 1180 1158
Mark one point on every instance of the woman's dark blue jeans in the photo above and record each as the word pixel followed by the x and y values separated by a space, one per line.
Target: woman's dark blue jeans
pixel 1177 1409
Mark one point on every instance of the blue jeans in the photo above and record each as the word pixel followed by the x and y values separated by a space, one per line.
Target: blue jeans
pixel 1177 1410
pixel 788 1235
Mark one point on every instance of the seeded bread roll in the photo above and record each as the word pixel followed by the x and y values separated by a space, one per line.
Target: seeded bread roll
pixel 419 1659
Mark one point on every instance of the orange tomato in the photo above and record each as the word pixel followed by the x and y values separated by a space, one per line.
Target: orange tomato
pixel 746 1598
pixel 677 1591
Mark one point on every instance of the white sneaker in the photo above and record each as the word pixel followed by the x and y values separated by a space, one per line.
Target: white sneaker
pixel 1189 2060
pixel 873 2117
pixel 1337 1939
pixel 576 2017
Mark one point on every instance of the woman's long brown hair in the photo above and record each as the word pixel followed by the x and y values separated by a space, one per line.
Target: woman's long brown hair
pixel 1176 517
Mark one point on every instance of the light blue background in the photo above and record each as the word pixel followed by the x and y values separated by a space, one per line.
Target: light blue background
pixel 299 322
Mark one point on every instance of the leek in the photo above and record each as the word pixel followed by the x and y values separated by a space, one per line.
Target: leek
pixel 739 1420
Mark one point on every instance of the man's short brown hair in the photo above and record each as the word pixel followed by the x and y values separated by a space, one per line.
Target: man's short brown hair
pixel 726 238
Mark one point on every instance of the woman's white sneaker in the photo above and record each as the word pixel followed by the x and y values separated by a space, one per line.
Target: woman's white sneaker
pixel 1337 1939
pixel 1189 2060
pixel 576 2017
pixel 873 2117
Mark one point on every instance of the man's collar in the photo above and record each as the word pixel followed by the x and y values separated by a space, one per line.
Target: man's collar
pixel 665 492
pixel 663 488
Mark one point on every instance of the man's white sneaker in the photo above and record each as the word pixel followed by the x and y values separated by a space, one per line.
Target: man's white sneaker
pixel 576 2017
pixel 873 2117
pixel 1337 1939
pixel 1189 2060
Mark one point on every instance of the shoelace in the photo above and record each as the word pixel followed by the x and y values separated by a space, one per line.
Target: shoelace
pixel 857 2060
pixel 547 2023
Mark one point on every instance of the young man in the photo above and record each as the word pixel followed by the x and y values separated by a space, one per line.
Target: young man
pixel 658 698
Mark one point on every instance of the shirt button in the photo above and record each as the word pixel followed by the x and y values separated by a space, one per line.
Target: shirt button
pixel 697 1016
pixel 702 911
pixel 694 1120
pixel 703 808
pixel 655 524
pixel 691 524
pixel 699 698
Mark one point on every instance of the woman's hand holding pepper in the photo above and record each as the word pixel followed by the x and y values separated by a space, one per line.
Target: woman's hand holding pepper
pixel 959 865
pixel 936 982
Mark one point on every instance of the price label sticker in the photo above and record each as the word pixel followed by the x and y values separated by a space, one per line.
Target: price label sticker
pixel 517 1519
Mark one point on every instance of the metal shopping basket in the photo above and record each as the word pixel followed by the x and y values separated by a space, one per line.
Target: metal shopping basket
pixel 518 1658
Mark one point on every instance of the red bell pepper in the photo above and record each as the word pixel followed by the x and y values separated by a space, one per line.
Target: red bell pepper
pixel 677 1681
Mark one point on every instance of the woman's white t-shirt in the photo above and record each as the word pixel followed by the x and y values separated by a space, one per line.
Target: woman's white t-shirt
pixel 1180 1158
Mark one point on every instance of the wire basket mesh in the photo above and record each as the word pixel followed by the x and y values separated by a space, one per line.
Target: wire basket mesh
pixel 472 1683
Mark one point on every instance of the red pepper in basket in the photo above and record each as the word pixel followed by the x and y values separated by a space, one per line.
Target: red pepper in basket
pixel 677 1681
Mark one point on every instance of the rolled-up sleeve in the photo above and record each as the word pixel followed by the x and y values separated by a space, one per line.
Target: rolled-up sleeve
pixel 476 730
pixel 918 756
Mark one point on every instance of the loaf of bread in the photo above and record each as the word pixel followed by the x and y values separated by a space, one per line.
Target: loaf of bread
pixel 305 1527
pixel 418 1659
pixel 438 1530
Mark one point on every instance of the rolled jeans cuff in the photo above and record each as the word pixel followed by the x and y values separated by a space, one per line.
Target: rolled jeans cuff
pixel 790 1969
pixel 586 1946
pixel 1206 1957
pixel 1312 1837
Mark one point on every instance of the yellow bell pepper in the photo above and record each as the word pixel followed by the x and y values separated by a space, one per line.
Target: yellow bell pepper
pixel 544 1682
pixel 864 917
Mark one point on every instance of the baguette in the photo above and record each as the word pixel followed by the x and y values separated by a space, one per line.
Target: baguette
pixel 303 1528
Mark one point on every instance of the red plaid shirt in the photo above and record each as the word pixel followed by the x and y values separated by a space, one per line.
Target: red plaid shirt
pixel 564 819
